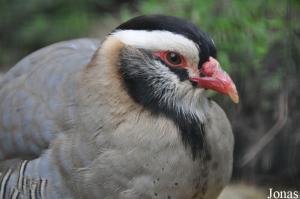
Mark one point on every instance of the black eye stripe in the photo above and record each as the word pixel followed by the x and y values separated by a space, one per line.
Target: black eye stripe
pixel 181 73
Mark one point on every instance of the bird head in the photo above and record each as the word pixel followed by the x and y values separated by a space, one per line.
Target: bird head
pixel 163 53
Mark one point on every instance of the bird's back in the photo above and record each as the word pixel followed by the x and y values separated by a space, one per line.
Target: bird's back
pixel 35 94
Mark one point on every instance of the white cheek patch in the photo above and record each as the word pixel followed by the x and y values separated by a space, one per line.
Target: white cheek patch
pixel 159 40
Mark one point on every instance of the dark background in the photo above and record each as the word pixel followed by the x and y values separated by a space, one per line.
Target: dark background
pixel 258 43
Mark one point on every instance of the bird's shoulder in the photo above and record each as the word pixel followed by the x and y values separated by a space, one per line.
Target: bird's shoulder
pixel 50 55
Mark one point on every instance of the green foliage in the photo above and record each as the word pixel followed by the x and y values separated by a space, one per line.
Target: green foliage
pixel 242 29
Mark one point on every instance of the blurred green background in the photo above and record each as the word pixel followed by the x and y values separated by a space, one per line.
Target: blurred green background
pixel 258 43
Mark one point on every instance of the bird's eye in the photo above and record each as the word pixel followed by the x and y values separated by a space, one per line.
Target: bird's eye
pixel 171 58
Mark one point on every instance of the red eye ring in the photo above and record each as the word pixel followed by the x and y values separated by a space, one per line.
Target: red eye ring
pixel 171 58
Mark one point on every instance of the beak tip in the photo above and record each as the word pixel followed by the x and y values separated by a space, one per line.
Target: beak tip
pixel 234 97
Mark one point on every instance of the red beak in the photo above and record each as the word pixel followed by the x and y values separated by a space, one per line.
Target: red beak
pixel 217 79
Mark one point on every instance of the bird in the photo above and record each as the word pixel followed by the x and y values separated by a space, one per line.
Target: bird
pixel 126 117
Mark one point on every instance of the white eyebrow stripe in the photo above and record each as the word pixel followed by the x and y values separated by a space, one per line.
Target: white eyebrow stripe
pixel 160 40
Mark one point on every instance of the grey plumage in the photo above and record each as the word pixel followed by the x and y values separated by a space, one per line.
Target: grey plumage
pixel 66 110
